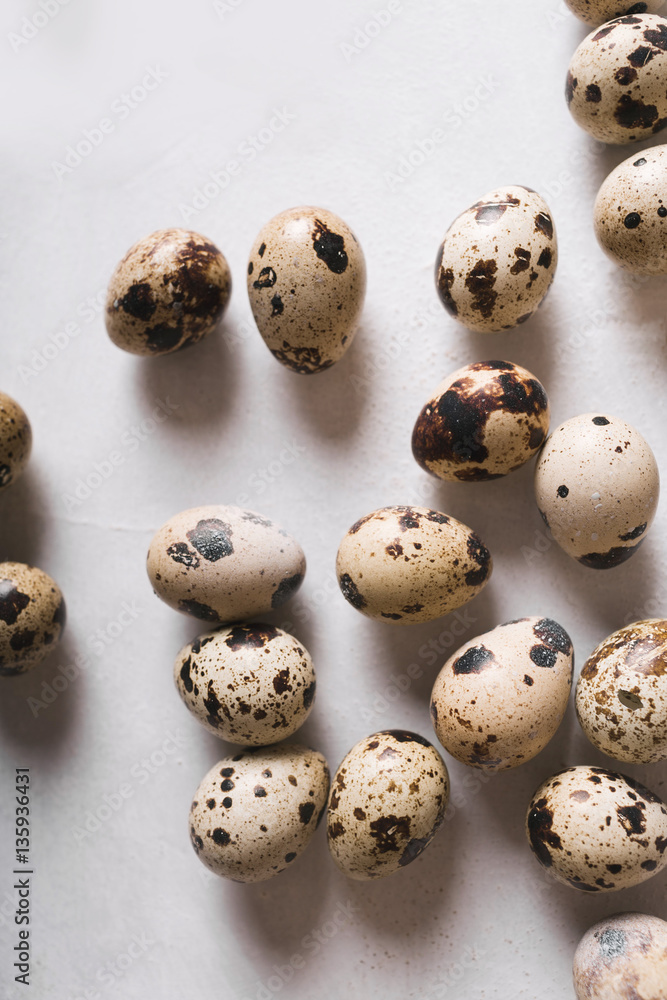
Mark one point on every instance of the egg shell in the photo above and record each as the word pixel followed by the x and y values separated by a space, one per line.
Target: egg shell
pixel 621 695
pixel 597 12
pixel 387 802
pixel 597 487
pixel 483 421
pixel 32 617
pixel 616 85
pixel 15 440
pixel 597 830
pixel 224 564
pixel 170 290
pixel 306 285
pixel 501 697
pixel 498 260
pixel 406 565
pixel 256 812
pixel 249 684
pixel 630 212
pixel 623 957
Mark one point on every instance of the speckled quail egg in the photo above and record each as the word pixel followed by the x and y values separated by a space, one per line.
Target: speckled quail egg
pixel 623 957
pixel 497 260
pixel 169 291
pixel 387 801
pixel 249 684
pixel 306 284
pixel 224 564
pixel 32 617
pixel 596 830
pixel 621 694
pixel 597 486
pixel 630 212
pixel 597 12
pixel 256 812
pixel 483 421
pixel 15 440
pixel 410 564
pixel 616 85
pixel 501 697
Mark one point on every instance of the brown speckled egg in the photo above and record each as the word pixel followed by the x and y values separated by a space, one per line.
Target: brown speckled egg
pixel 387 801
pixel 623 957
pixel 306 284
pixel 616 85
pixel 15 440
pixel 32 617
pixel 621 694
pixel 597 486
pixel 410 564
pixel 256 812
pixel 597 12
pixel 498 260
pixel 249 684
pixel 483 421
pixel 596 830
pixel 169 291
pixel 501 697
pixel 630 213
pixel 224 564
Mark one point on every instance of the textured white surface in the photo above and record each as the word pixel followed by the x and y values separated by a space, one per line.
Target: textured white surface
pixel 475 917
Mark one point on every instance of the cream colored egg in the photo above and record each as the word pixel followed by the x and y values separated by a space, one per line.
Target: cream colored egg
pixel 15 440
pixel 630 213
pixel 498 260
pixel 407 565
pixel 249 684
pixel 224 564
pixel 597 830
pixel 255 812
pixel 501 697
pixel 32 617
pixel 597 486
pixel 387 801
pixel 616 85
pixel 623 957
pixel 596 12
pixel 621 694
pixel 306 284
pixel 169 291
pixel 483 421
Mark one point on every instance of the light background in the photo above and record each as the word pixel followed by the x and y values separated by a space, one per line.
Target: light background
pixel 475 916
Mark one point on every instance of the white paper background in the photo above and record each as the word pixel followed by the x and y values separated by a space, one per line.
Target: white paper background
pixel 475 917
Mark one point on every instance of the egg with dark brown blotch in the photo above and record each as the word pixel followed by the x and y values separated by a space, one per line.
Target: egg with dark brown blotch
pixel 616 86
pixel 597 487
pixel 15 440
pixel 622 957
pixel 306 285
pixel 404 565
pixel 498 260
pixel 255 812
pixel 170 290
pixel 597 12
pixel 249 684
pixel 224 564
pixel 483 421
pixel 501 697
pixel 597 830
pixel 32 617
pixel 387 802
pixel 621 695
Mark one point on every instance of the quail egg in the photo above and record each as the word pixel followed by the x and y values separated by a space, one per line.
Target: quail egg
pixel 32 617
pixel 623 957
pixel 596 12
pixel 15 440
